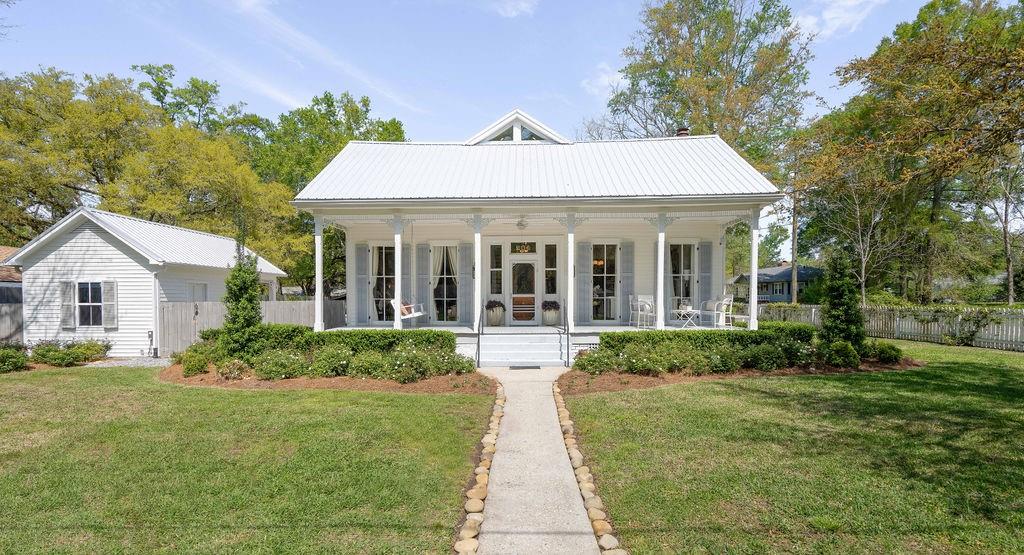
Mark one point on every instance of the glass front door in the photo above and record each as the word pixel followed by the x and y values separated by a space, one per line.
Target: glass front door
pixel 524 293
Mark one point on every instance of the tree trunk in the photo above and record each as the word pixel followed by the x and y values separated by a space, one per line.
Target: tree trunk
pixel 1006 250
pixel 928 291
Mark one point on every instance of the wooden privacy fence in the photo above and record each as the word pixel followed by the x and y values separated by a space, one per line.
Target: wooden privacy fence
pixel 980 327
pixel 181 322
pixel 11 322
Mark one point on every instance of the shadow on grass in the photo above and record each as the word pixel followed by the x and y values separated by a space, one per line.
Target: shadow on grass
pixel 954 426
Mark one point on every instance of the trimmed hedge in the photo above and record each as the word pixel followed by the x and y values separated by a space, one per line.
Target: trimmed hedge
pixel 710 340
pixel 382 340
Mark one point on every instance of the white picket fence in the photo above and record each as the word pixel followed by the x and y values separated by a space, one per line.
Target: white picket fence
pixel 1006 332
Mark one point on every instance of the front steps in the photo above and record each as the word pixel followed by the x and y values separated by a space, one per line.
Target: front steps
pixel 522 349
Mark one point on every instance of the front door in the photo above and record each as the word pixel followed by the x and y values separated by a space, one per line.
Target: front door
pixel 524 293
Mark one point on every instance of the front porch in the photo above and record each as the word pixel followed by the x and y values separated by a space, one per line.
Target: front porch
pixel 583 271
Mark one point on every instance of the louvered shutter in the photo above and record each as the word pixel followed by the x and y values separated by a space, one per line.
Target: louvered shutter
pixel 626 285
pixel 666 303
pixel 465 286
pixel 361 299
pixel 584 282
pixel 68 318
pixel 407 257
pixel 109 292
pixel 704 270
pixel 423 281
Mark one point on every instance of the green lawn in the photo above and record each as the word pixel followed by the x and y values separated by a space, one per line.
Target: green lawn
pixel 101 460
pixel 925 460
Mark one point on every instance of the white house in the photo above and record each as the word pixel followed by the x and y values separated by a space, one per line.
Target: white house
pixel 521 215
pixel 99 275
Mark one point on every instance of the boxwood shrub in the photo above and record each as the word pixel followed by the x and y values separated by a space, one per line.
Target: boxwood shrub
pixel 841 354
pixel 708 340
pixel 765 357
pixel 12 360
pixel 382 340
pixel 887 353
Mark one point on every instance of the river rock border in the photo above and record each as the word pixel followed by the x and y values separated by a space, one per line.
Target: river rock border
pixel 466 542
pixel 606 539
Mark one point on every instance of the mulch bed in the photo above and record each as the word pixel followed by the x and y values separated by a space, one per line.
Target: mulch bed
pixel 576 382
pixel 475 383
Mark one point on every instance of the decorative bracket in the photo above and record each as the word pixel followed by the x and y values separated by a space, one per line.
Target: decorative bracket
pixel 570 221
pixel 661 222
pixel 478 222
pixel 399 223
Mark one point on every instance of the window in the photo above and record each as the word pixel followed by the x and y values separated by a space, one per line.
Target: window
pixel 681 263
pixel 530 135
pixel 505 135
pixel 197 292
pixel 550 269
pixel 779 288
pixel 496 270
pixel 604 282
pixel 90 304
pixel 527 247
pixel 383 275
pixel 445 283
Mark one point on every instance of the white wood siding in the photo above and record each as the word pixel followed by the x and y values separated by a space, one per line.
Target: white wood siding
pixel 88 253
pixel 174 282
pixel 642 233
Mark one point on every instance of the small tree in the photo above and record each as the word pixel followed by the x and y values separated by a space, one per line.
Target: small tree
pixel 842 319
pixel 244 313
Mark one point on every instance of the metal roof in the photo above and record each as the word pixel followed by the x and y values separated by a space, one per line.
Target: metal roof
pixel 695 166
pixel 161 243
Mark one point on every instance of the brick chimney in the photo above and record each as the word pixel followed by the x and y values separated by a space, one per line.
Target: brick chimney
pixel 683 132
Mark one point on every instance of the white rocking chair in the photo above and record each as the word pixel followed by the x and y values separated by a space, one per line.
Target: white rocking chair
pixel 406 309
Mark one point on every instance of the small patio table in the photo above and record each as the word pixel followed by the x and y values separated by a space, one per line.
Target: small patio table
pixel 687 315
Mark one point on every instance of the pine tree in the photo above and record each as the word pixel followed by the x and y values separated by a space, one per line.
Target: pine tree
pixel 842 318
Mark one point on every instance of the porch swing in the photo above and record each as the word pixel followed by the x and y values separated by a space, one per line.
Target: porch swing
pixel 405 308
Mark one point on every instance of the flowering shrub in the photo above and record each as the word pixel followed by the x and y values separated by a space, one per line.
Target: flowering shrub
pixel 330 360
pixel 596 361
pixel 644 360
pixel 280 364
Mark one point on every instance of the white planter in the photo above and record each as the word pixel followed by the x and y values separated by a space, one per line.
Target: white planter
pixel 496 317
pixel 550 318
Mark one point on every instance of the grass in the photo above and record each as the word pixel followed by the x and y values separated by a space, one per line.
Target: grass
pixel 926 460
pixel 112 460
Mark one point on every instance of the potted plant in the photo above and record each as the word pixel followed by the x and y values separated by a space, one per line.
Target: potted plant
pixel 549 310
pixel 495 313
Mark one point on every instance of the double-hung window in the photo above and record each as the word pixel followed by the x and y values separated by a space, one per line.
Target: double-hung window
pixel 90 303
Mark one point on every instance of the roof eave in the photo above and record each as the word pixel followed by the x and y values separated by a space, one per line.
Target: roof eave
pixel 65 223
pixel 745 198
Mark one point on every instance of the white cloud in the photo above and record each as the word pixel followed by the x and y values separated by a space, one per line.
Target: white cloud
pixel 243 76
pixel 514 8
pixel 259 11
pixel 828 18
pixel 602 82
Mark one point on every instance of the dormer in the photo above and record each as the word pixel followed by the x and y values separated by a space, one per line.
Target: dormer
pixel 517 127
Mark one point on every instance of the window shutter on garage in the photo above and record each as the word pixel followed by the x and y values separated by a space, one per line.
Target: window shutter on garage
pixel 464 289
pixel 626 286
pixel 704 270
pixel 423 280
pixel 109 304
pixel 584 282
pixel 361 297
pixel 67 305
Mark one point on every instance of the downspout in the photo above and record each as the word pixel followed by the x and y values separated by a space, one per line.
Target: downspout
pixel 154 342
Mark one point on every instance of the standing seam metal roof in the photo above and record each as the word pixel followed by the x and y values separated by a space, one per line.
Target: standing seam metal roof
pixel 662 167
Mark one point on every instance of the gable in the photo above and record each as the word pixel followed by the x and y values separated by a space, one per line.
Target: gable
pixel 516 127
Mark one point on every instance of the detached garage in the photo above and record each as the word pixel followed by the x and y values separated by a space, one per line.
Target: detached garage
pixel 99 275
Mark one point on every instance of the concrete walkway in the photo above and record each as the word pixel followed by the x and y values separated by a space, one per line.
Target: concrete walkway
pixel 533 502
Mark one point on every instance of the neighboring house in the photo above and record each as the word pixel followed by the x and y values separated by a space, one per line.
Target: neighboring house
pixel 98 275
pixel 521 215
pixel 10 278
pixel 775 284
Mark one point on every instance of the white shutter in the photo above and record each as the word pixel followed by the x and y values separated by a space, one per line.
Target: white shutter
pixel 109 304
pixel 68 318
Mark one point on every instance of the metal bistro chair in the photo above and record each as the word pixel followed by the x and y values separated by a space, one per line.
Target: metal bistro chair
pixel 641 310
pixel 716 310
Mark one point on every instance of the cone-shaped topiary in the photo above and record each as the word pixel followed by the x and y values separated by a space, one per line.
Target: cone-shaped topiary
pixel 241 324
pixel 841 315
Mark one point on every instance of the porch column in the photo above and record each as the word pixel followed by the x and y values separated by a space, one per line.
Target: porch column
pixel 478 272
pixel 659 299
pixel 755 233
pixel 318 273
pixel 570 261
pixel 398 225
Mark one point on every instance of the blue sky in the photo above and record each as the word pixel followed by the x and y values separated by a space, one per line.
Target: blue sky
pixel 446 68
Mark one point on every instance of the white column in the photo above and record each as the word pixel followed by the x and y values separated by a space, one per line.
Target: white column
pixel 755 239
pixel 318 272
pixel 570 262
pixel 478 272
pixel 659 299
pixel 398 272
